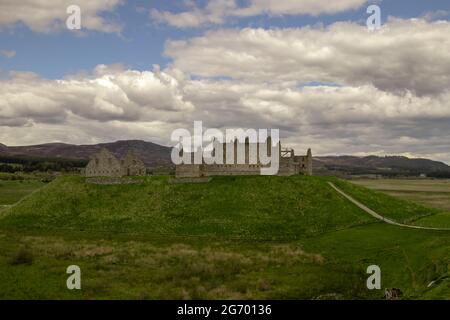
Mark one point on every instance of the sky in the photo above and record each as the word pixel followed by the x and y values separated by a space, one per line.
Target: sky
pixel 311 68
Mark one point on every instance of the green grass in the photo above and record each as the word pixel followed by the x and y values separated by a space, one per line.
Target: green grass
pixel 231 238
pixel 409 259
pixel 397 209
pixel 429 192
pixel 12 191
pixel 172 269
pixel 440 220
pixel 440 289
pixel 229 207
pixel 416 194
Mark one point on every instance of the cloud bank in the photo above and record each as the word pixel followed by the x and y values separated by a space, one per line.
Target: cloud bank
pixel 216 12
pixel 405 55
pixel 45 16
pixel 338 89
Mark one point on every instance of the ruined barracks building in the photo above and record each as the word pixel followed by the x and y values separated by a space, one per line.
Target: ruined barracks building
pixel 105 164
pixel 289 163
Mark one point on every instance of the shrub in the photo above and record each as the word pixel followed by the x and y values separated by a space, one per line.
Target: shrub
pixel 24 256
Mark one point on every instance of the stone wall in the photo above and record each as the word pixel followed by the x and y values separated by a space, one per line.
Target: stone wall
pixel 132 165
pixel 188 171
pixel 289 165
pixel 305 163
pixel 105 164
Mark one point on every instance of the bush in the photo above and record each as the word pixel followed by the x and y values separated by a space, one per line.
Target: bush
pixel 24 256
pixel 47 179
pixel 11 176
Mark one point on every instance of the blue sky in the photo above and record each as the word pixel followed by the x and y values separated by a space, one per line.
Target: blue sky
pixel 142 41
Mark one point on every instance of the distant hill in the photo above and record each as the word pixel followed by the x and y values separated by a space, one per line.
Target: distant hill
pixel 394 165
pixel 152 154
pixel 155 155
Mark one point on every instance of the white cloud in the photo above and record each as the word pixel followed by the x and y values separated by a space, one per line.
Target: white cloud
pixel 8 53
pixel 217 11
pixel 288 7
pixel 47 16
pixel 404 55
pixel 113 103
pixel 106 95
pixel 436 15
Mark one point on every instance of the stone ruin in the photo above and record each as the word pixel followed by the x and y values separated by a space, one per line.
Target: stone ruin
pixel 289 163
pixel 105 164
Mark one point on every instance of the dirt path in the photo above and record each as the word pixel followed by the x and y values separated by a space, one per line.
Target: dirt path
pixel 378 216
pixel 3 208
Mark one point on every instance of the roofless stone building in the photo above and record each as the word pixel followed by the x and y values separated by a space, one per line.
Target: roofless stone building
pixel 132 165
pixel 105 164
pixel 289 163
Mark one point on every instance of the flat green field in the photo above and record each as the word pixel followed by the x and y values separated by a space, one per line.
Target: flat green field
pixel 433 193
pixel 234 237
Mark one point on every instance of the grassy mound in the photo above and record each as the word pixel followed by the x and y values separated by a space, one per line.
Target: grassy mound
pixel 232 207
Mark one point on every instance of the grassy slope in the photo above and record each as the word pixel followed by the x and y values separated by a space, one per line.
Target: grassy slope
pixel 394 208
pixel 440 220
pixel 231 212
pixel 409 259
pixel 430 193
pixel 13 191
pixel 246 207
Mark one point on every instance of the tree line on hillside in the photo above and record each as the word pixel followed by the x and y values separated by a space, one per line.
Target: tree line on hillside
pixel 22 163
pixel 13 164
pixel 389 173
pixel 439 175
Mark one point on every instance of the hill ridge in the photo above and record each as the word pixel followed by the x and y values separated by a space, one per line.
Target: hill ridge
pixel 151 153
pixel 155 155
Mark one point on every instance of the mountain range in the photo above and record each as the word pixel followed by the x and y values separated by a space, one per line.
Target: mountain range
pixel 152 154
pixel 379 165
pixel 155 155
